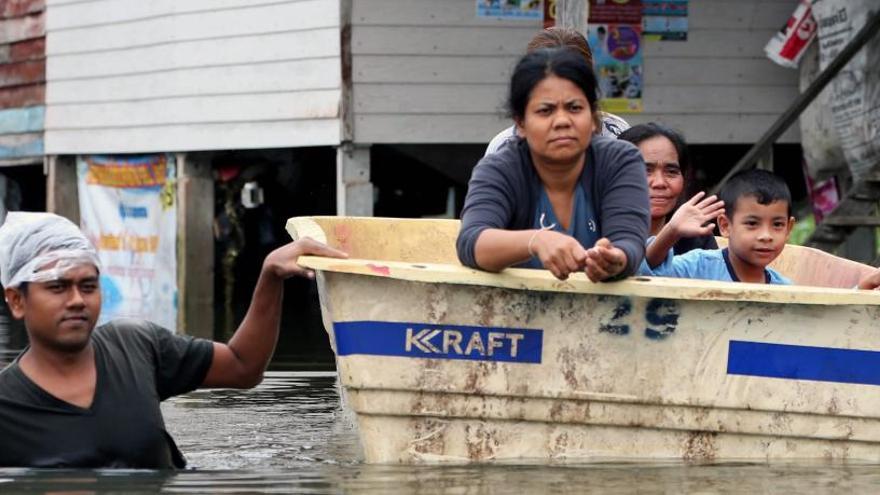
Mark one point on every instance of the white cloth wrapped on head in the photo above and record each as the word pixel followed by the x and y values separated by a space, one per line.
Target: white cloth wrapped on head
pixel 40 247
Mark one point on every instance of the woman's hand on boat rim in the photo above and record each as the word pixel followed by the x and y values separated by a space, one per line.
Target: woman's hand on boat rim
pixel 604 261
pixel 559 253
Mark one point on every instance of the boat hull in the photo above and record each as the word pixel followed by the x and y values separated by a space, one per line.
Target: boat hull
pixel 445 364
pixel 617 377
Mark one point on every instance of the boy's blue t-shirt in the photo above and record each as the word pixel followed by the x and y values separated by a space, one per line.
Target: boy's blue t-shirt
pixel 704 264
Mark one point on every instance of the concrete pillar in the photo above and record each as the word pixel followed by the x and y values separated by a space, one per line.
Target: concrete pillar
pixel 62 197
pixel 195 246
pixel 354 191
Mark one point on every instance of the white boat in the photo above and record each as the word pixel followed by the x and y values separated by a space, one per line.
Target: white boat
pixel 442 363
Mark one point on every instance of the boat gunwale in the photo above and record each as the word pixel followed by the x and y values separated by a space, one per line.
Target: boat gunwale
pixel 637 286
pixel 544 281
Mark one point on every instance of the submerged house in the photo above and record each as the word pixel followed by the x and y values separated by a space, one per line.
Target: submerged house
pixel 351 107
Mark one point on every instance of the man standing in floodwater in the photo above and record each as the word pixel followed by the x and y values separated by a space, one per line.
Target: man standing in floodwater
pixel 86 397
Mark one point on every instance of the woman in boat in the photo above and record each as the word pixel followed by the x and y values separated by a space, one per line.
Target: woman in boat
pixel 680 226
pixel 559 37
pixel 559 197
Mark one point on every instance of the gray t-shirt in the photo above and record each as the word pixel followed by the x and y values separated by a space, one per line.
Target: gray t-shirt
pixel 139 364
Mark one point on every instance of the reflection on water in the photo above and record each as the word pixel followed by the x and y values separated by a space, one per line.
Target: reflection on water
pixel 291 435
pixel 292 421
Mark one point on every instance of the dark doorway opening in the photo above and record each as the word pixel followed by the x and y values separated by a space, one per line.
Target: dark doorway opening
pixel 293 183
pixel 23 189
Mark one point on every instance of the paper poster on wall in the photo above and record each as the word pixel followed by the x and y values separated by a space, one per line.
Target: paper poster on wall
pixel 549 13
pixel 665 20
pixel 617 61
pixel 615 12
pixel 128 210
pixel 855 90
pixel 511 9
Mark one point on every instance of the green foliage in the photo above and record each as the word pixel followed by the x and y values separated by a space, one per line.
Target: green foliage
pixel 802 230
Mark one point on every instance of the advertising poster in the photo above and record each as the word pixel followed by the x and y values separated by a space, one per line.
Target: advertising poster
pixel 615 12
pixel 823 194
pixel 511 9
pixel 665 20
pixel 617 60
pixel 855 103
pixel 128 210
pixel 614 32
pixel 790 43
pixel 549 13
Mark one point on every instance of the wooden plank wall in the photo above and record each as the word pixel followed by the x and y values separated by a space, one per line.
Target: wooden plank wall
pixel 126 76
pixel 431 72
pixel 22 81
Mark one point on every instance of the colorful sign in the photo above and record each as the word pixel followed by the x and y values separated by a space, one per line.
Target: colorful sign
pixel 798 362
pixel 665 20
pixel 128 210
pixel 617 61
pixel 426 340
pixel 511 9
pixel 789 44
pixel 615 12
pixel 549 13
pixel 824 195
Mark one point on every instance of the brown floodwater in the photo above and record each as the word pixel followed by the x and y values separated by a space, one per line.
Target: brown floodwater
pixel 292 435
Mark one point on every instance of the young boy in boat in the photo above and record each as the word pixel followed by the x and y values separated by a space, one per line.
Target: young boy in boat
pixel 756 221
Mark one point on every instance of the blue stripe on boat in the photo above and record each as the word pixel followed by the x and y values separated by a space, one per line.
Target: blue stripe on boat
pixel 426 340
pixel 799 362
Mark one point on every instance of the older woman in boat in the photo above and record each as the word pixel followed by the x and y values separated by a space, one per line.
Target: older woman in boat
pixel 680 226
pixel 560 197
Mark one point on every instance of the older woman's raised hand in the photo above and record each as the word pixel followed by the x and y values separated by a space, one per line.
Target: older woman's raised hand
pixel 604 261
pixel 559 253
pixel 691 219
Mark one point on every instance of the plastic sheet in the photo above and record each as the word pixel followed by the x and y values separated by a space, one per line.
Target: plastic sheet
pixel 40 247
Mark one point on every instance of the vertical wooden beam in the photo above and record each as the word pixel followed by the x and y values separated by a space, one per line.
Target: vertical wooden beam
pixel 354 191
pixel 4 187
pixel 195 246
pixel 61 186
pixel 572 14
pixel 346 108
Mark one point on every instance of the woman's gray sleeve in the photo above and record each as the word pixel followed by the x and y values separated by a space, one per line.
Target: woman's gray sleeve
pixel 489 204
pixel 625 208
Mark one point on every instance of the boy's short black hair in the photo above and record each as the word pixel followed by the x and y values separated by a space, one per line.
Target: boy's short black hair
pixel 762 185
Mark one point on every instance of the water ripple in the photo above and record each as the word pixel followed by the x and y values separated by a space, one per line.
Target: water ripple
pixel 290 435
